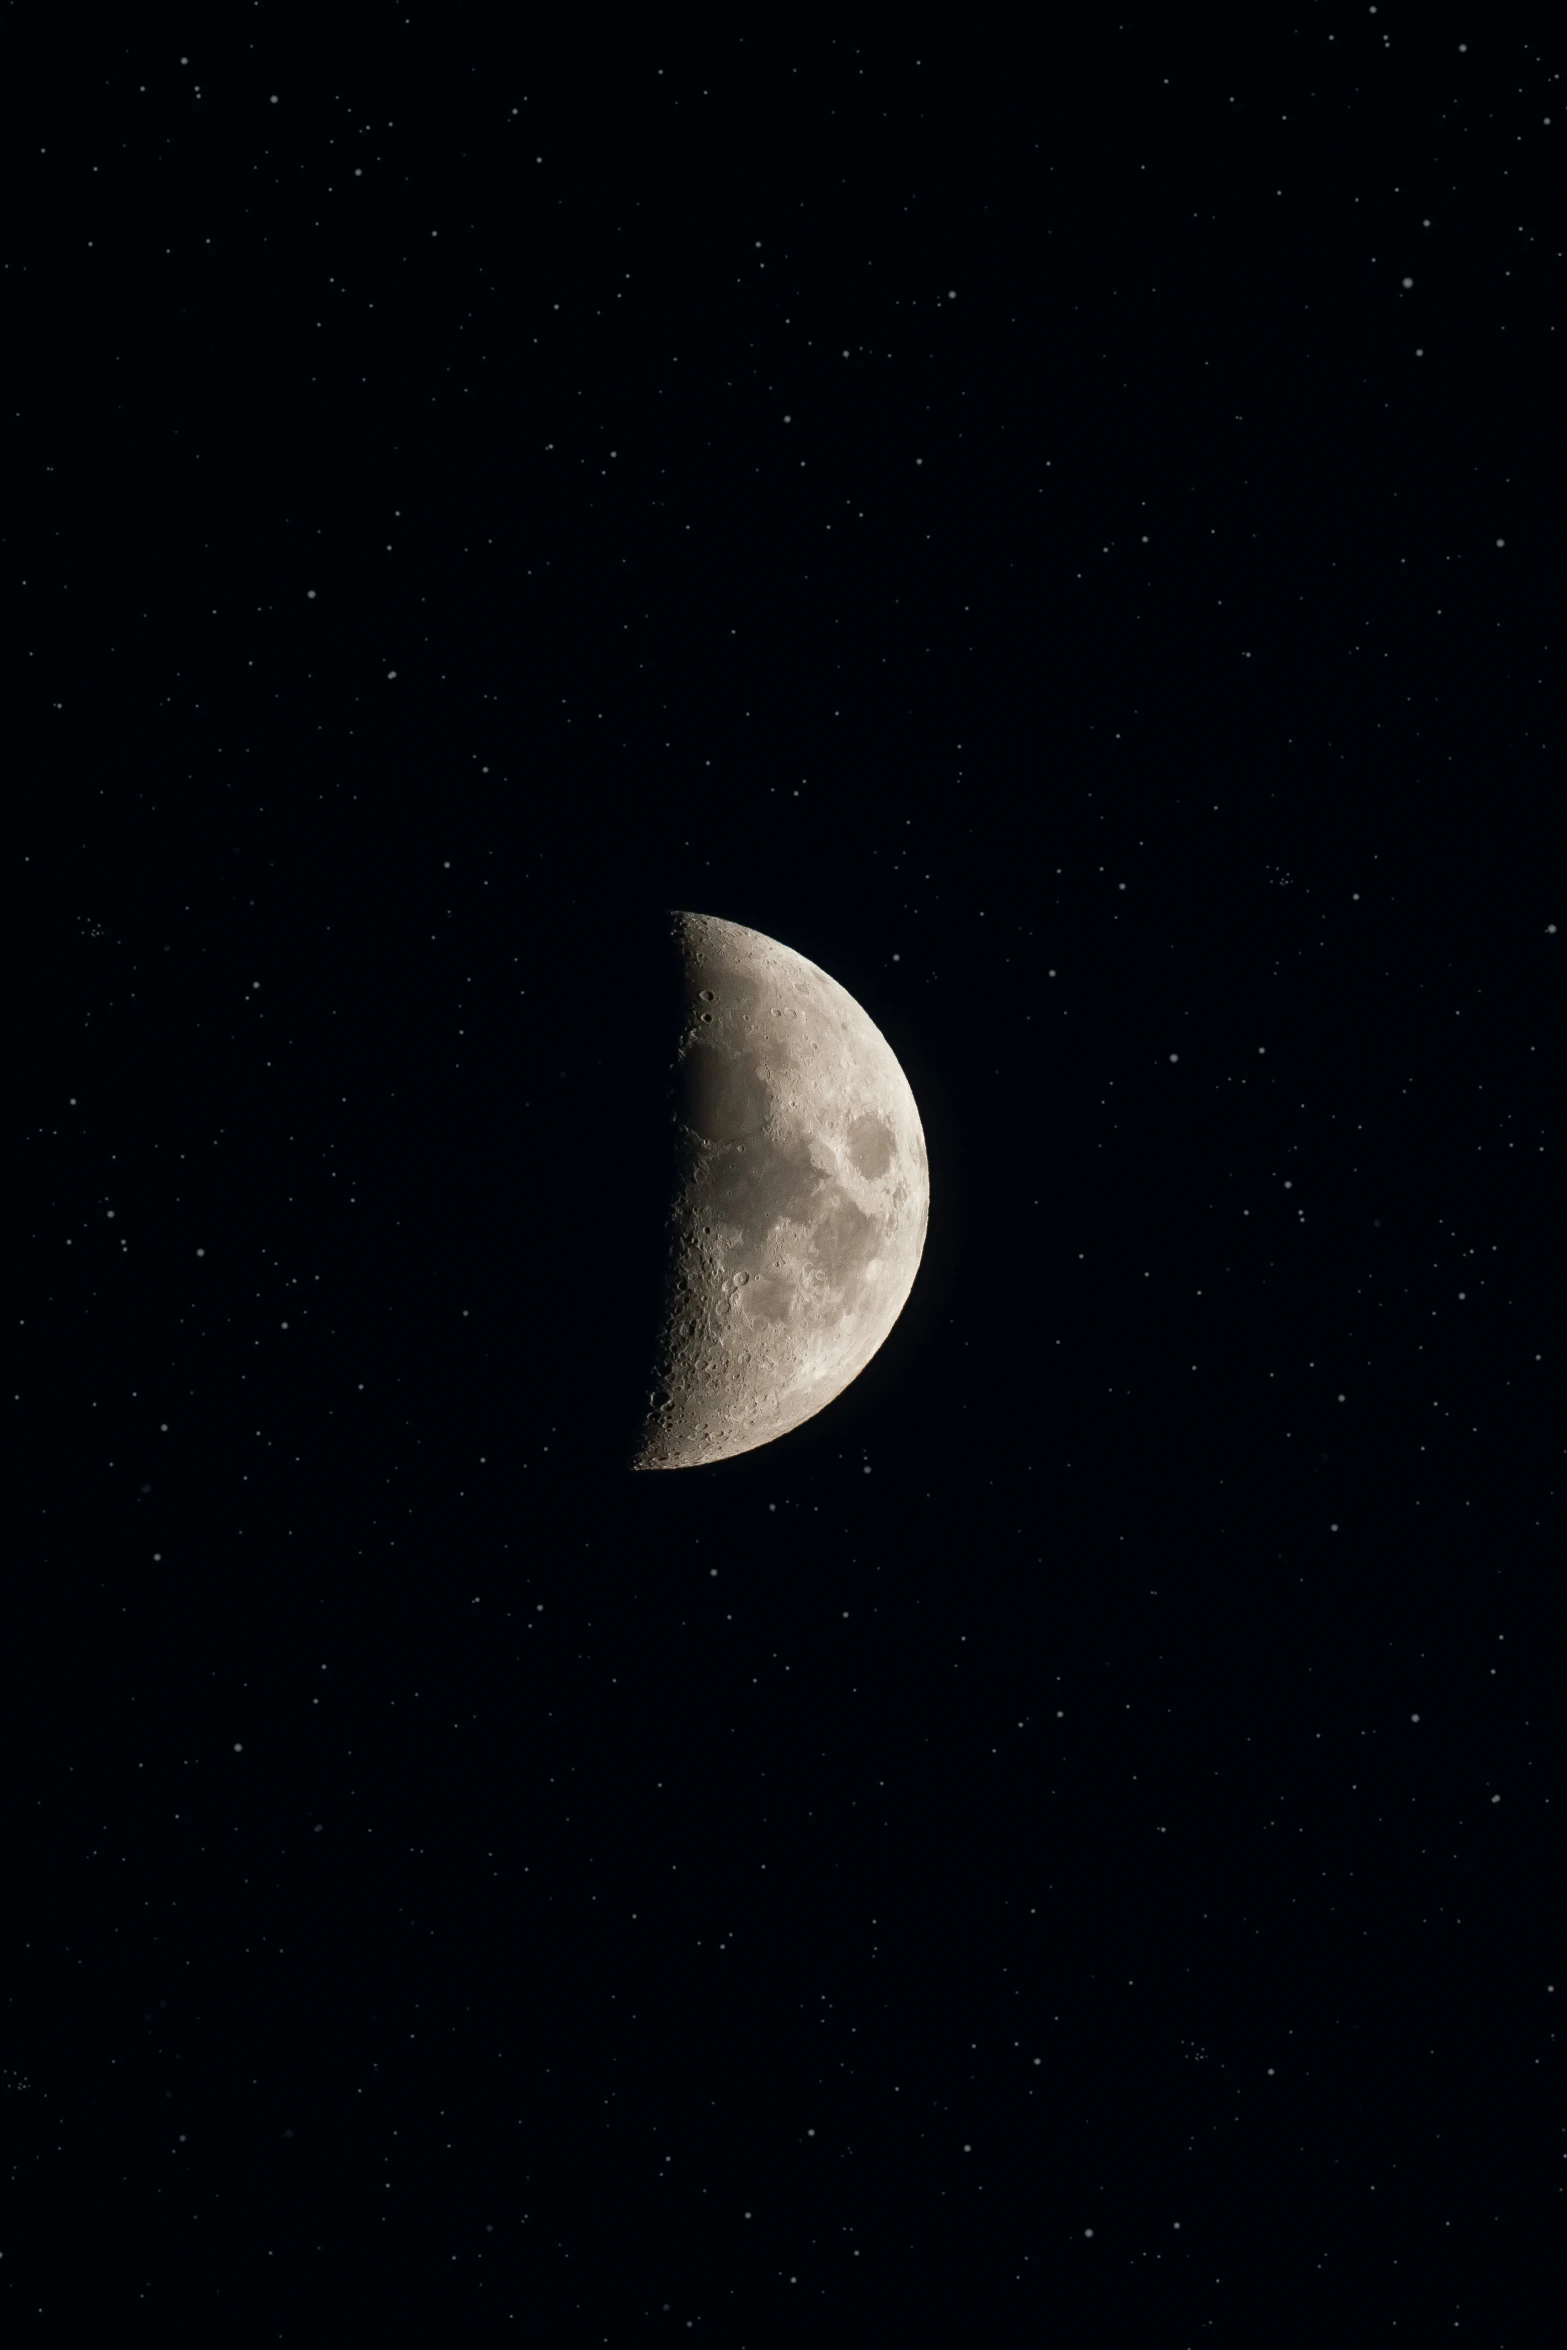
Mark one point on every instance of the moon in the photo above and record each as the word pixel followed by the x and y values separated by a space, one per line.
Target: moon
pixel 802 1196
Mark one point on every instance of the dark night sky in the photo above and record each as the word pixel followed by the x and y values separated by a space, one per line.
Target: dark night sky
pixel 1066 1839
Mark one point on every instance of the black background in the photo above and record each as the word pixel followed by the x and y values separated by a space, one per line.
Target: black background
pixel 1066 1840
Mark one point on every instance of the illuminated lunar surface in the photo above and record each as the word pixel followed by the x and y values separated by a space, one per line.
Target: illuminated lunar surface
pixel 801 1202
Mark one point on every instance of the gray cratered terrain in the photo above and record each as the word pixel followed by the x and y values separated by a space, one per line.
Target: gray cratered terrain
pixel 801 1201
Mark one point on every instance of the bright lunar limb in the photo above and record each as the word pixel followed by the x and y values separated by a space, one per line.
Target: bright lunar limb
pixel 801 1203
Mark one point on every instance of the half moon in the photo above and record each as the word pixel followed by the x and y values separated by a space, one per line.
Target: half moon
pixel 801 1201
